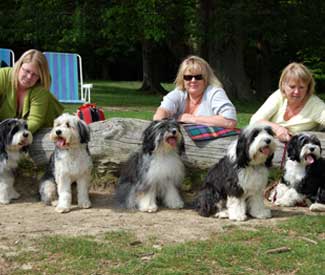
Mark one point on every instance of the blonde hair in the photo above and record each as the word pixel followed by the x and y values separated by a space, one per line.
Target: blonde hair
pixel 37 58
pixel 297 71
pixel 196 64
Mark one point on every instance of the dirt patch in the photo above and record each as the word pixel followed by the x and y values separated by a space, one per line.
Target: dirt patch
pixel 29 218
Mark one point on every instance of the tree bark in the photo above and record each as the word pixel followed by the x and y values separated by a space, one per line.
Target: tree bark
pixel 113 140
pixel 150 67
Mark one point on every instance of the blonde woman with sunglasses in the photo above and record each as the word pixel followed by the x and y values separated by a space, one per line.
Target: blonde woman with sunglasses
pixel 24 92
pixel 198 97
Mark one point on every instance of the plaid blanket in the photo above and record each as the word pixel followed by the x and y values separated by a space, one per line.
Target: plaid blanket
pixel 202 132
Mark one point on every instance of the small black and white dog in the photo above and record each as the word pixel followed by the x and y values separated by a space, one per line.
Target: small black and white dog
pixel 70 162
pixel 234 186
pixel 154 172
pixel 304 174
pixel 14 140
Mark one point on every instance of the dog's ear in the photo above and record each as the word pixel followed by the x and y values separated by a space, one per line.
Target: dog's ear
pixel 4 130
pixel 149 136
pixel 84 131
pixel 182 146
pixel 293 150
pixel 242 151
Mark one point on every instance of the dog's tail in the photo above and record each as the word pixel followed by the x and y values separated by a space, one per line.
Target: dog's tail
pixel 206 201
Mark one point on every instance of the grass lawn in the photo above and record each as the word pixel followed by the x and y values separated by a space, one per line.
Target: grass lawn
pixel 237 250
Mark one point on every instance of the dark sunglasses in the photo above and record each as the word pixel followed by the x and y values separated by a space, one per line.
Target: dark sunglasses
pixel 190 77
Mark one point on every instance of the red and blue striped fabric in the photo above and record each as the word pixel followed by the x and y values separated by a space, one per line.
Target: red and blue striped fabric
pixel 201 132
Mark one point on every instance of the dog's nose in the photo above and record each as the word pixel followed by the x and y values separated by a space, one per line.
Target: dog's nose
pixel 25 134
pixel 311 149
pixel 174 131
pixel 268 141
pixel 58 132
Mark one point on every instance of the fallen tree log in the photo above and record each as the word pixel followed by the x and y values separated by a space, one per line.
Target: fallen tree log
pixel 113 140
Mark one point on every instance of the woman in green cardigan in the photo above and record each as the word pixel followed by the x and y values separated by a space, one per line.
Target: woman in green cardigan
pixel 24 92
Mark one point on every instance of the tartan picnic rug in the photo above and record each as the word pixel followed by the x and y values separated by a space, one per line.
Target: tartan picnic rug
pixel 201 132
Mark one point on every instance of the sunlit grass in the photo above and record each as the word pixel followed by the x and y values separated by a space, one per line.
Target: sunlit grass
pixel 237 250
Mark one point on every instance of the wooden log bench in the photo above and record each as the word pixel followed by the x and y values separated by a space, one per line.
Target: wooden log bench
pixel 113 140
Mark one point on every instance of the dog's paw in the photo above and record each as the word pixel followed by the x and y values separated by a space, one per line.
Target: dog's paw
pixel 238 218
pixel 62 209
pixel 317 207
pixel 149 209
pixel 176 204
pixel 283 203
pixel 3 201
pixel 263 214
pixel 84 204
pixel 222 214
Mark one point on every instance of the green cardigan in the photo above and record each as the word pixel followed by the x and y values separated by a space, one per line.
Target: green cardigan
pixel 40 107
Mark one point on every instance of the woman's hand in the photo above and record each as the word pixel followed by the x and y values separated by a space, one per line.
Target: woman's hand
pixel 186 118
pixel 282 133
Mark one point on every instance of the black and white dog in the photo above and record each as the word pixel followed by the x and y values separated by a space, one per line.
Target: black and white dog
pixel 156 171
pixel 70 162
pixel 14 140
pixel 303 180
pixel 234 186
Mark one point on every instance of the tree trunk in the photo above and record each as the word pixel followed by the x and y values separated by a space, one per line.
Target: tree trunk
pixel 150 65
pixel 263 70
pixel 225 52
pixel 113 140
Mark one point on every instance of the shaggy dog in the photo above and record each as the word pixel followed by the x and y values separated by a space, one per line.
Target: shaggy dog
pixel 234 187
pixel 14 140
pixel 154 172
pixel 70 162
pixel 303 181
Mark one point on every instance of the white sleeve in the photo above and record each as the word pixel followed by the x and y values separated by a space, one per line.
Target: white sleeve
pixel 221 105
pixel 269 108
pixel 172 101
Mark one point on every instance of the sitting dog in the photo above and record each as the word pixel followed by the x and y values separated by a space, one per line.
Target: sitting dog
pixel 70 162
pixel 14 140
pixel 235 185
pixel 303 181
pixel 154 172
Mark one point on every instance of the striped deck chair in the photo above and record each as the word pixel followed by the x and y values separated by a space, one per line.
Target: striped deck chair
pixel 67 80
pixel 7 58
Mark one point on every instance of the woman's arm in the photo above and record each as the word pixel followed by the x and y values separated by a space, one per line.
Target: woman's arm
pixel 216 120
pixel 282 133
pixel 161 113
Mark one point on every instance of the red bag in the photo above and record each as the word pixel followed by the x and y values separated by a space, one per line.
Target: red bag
pixel 89 112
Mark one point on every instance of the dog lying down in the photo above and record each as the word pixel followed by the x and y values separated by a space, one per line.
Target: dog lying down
pixel 303 181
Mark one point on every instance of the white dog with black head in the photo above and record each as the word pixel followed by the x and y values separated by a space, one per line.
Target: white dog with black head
pixel 303 181
pixel 14 141
pixel 70 162
pixel 155 172
pixel 234 187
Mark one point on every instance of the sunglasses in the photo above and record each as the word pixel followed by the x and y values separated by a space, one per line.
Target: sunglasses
pixel 190 77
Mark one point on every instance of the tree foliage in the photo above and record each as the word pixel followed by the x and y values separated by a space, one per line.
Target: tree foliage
pixel 246 42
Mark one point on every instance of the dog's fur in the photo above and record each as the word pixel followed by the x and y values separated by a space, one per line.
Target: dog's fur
pixel 303 180
pixel 234 187
pixel 70 162
pixel 154 172
pixel 14 140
